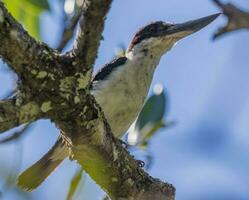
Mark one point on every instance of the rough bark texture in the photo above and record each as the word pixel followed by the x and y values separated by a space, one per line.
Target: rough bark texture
pixel 89 34
pixel 237 19
pixel 56 87
pixel 13 114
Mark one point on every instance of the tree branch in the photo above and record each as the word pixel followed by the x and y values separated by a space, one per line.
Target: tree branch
pixel 17 47
pixel 12 114
pixel 88 38
pixel 8 116
pixel 16 135
pixel 106 161
pixel 237 19
pixel 61 88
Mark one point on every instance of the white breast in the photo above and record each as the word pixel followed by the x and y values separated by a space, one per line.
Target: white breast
pixel 122 95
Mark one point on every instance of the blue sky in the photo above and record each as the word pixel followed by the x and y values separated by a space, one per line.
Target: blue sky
pixel 205 156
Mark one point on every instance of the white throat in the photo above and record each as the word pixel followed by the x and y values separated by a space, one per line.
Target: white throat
pixel 122 94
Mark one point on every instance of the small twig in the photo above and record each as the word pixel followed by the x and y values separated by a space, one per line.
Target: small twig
pixel 69 29
pixel 16 135
pixel 237 18
pixel 10 94
pixel 105 197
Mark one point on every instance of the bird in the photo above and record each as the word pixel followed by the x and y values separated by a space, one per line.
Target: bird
pixel 121 87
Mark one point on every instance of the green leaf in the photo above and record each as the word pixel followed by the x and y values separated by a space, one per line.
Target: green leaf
pixel 150 119
pixel 28 12
pixel 75 183
pixel 153 111
pixel 150 131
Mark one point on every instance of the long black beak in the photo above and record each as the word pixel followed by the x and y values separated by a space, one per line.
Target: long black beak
pixel 187 28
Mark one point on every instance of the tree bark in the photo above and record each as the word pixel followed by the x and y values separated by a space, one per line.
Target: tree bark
pixel 237 19
pixel 56 87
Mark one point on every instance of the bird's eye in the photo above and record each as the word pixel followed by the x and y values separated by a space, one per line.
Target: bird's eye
pixel 153 29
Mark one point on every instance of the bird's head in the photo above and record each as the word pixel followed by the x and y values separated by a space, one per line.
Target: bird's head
pixel 159 37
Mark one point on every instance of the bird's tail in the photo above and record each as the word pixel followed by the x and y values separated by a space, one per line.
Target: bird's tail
pixel 32 177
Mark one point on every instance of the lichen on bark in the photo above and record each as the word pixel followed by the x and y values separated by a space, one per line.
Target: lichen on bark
pixel 56 87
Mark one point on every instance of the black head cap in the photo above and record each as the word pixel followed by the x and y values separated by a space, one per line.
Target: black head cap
pixel 154 29
pixel 178 31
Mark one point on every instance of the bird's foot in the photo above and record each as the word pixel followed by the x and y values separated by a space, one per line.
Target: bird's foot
pixel 124 144
pixel 141 163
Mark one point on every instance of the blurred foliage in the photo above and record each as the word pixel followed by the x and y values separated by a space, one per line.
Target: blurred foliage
pixel 28 12
pixel 153 111
pixel 8 174
pixel 150 119
pixel 75 182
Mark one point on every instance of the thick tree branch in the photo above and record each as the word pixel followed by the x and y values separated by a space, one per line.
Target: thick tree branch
pixel 59 92
pixel 8 115
pixel 107 162
pixel 237 19
pixel 12 114
pixel 88 38
pixel 17 47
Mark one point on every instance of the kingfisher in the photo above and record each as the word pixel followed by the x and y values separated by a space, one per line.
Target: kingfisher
pixel 120 87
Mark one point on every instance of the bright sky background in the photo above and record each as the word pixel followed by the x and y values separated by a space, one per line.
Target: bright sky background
pixel 206 155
